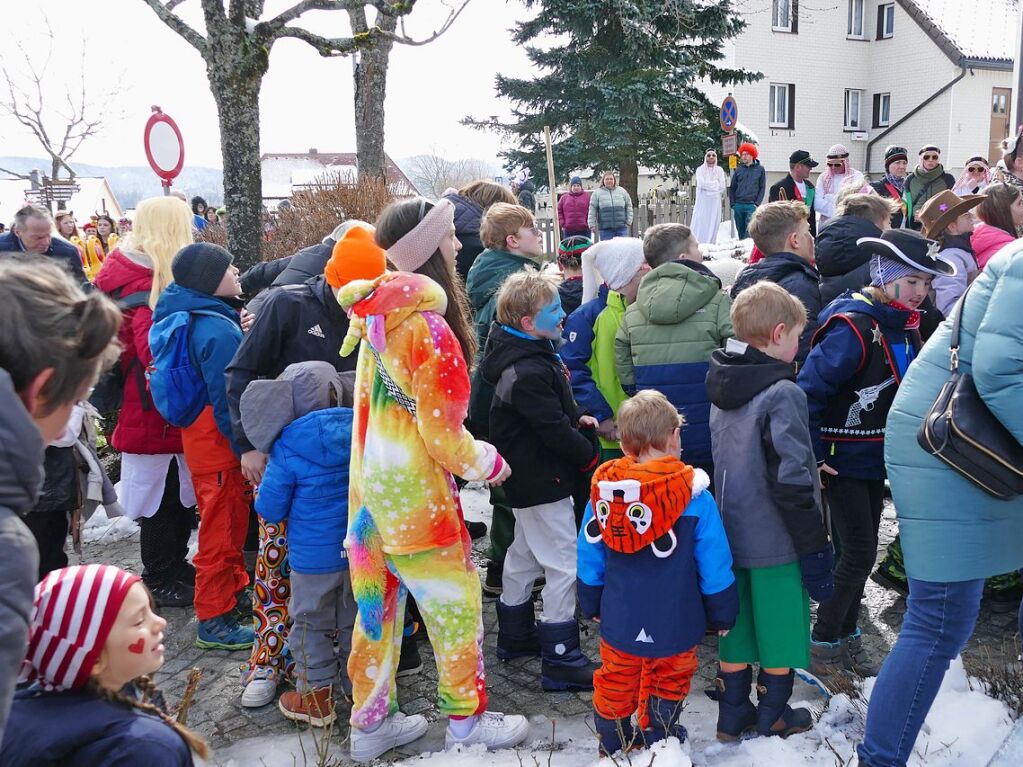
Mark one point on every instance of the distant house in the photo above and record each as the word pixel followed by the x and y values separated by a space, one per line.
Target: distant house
pixel 94 196
pixel 286 173
pixel 868 73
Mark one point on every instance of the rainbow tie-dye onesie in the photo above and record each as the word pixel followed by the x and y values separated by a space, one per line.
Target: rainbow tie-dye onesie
pixel 405 529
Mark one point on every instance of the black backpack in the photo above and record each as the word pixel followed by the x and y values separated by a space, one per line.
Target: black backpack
pixel 108 393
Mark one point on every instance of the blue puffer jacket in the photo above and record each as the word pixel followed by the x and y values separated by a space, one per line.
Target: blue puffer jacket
pixel 306 482
pixel 75 729
pixel 951 529
pixel 835 360
pixel 213 343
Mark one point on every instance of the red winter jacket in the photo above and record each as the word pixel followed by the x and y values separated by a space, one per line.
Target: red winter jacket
pixel 140 427
pixel 572 212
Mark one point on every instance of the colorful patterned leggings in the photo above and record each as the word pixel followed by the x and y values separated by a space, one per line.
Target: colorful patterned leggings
pixel 270 596
pixel 445 585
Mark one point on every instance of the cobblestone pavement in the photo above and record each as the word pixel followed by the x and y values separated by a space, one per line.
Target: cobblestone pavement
pixel 218 715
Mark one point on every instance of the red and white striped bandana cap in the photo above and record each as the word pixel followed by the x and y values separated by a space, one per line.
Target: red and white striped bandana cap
pixel 73 612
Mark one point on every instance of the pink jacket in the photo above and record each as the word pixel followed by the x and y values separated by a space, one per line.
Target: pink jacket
pixel 572 212
pixel 987 240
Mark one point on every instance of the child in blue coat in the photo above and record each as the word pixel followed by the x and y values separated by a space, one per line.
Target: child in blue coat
pixel 298 420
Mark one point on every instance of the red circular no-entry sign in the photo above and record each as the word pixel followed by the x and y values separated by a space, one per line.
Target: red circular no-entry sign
pixel 165 149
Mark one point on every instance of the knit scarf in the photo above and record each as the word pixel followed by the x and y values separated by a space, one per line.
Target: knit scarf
pixel 921 178
pixel 897 181
pixel 913 321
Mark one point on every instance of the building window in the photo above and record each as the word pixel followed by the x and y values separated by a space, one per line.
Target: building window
pixel 782 106
pixel 882 110
pixel 783 15
pixel 855 26
pixel 852 109
pixel 999 104
pixel 885 21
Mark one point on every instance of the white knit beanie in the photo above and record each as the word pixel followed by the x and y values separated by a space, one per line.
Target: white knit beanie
pixel 617 260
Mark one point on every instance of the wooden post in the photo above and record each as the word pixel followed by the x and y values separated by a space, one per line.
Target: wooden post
pixel 552 185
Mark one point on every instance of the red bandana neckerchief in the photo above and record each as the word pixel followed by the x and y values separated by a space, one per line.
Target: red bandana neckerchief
pixel 913 322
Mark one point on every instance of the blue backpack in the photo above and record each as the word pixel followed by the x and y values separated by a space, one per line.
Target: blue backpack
pixel 175 379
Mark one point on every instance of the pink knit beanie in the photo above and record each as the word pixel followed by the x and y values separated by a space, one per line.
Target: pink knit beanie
pixel 72 614
pixel 415 248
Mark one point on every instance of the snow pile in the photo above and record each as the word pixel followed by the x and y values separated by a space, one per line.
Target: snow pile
pixel 100 528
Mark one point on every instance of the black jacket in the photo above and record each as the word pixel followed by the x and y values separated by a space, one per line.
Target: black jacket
pixel 60 486
pixel 527 195
pixel 468 216
pixel 290 270
pixel 297 323
pixel 842 264
pixel 64 252
pixel 884 191
pixel 533 419
pixel 798 278
pixel 786 190
pixel 571 292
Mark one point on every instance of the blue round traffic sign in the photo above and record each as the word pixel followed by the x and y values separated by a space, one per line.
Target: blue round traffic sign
pixel 729 114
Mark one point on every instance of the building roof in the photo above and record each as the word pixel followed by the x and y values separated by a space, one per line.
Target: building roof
pixel 94 195
pixel 342 161
pixel 983 32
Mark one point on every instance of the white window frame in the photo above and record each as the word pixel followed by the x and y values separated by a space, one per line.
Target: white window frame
pixel 888 21
pixel 884 104
pixel 774 90
pixel 856 7
pixel 852 94
pixel 776 7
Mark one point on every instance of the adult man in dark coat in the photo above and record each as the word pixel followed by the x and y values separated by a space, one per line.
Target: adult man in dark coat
pixel 797 185
pixel 33 233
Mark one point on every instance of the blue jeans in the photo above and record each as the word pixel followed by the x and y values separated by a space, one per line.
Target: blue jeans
pixel 618 231
pixel 742 212
pixel 940 618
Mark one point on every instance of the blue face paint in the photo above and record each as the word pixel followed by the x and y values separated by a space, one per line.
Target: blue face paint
pixel 550 316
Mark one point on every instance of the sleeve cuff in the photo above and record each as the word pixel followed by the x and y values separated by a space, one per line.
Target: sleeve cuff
pixel 498 467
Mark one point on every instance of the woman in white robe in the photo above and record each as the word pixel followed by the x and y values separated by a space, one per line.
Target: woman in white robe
pixel 711 186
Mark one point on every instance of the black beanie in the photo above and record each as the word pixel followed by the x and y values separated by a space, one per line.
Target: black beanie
pixel 201 266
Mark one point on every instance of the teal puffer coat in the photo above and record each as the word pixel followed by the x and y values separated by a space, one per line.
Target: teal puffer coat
pixel 952 530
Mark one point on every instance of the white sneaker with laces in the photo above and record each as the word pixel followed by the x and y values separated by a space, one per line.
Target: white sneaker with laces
pixel 260 690
pixel 494 730
pixel 396 730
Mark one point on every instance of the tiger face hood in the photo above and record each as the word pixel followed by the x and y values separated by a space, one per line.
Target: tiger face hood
pixel 376 307
pixel 636 505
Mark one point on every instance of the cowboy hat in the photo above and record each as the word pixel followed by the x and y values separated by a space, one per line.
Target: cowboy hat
pixel 911 248
pixel 944 208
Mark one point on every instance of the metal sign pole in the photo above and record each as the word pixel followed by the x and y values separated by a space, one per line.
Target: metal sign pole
pixel 552 186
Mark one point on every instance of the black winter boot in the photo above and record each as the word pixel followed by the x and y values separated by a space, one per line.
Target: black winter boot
pixel 614 734
pixel 516 631
pixel 736 712
pixel 663 715
pixel 563 665
pixel 774 714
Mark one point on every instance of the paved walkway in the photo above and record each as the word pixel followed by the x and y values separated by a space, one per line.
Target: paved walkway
pixel 218 715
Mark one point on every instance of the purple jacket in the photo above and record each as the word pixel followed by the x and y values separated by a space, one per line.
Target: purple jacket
pixel 572 212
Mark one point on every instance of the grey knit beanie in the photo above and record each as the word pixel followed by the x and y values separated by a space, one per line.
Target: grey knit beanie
pixel 201 266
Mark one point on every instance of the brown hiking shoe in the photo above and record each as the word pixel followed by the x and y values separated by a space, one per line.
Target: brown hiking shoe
pixel 315 707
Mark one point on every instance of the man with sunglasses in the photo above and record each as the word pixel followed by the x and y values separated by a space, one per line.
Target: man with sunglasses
pixel 927 180
pixel 838 175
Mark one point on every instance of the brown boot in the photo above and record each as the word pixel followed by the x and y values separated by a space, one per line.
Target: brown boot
pixel 315 707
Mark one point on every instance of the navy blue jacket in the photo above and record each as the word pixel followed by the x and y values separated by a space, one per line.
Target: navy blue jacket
pixel 748 185
pixel 306 482
pixel 76 729
pixel 834 361
pixel 213 343
pixel 653 605
pixel 63 251
pixel 797 277
pixel 577 352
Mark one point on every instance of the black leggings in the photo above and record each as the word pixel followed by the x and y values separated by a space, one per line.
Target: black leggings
pixel 855 517
pixel 164 536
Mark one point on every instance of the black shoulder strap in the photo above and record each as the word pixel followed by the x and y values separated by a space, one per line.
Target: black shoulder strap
pixel 953 344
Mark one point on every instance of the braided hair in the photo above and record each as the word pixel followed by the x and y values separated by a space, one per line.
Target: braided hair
pixel 151 702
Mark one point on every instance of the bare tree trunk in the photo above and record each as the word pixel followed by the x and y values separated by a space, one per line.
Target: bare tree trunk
pixel 628 170
pixel 370 91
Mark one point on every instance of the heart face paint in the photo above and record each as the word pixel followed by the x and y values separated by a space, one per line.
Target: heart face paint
pixel 548 320
pixel 137 647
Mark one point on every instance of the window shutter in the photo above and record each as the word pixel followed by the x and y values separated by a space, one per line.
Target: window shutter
pixel 795 17
pixel 880 22
pixel 792 106
pixel 877 110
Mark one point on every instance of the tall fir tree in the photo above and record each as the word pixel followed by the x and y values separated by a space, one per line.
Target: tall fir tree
pixel 620 87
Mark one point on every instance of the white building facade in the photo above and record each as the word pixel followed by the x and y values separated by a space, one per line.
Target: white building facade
pixel 869 73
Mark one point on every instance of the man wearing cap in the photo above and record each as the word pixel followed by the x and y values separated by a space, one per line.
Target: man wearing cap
pixel 928 179
pixel 896 161
pixel 747 188
pixel 797 185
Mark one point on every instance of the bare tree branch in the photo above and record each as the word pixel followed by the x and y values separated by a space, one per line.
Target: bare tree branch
pixel 404 39
pixel 326 46
pixel 167 16
pixel 15 175
pixel 172 4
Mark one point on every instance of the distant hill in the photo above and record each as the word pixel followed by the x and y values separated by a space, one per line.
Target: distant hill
pixel 134 183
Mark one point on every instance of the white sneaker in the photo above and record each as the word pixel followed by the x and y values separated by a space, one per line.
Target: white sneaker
pixel 494 730
pixel 261 690
pixel 396 730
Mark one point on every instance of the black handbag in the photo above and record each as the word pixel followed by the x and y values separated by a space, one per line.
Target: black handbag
pixel 961 431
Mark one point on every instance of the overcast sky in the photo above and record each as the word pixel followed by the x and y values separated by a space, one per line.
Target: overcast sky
pixel 306 99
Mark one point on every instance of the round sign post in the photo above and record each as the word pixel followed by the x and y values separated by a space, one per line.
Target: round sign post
pixel 165 149
pixel 729 114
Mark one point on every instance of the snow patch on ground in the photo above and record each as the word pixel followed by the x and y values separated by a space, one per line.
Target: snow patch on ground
pixel 100 528
pixel 965 727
